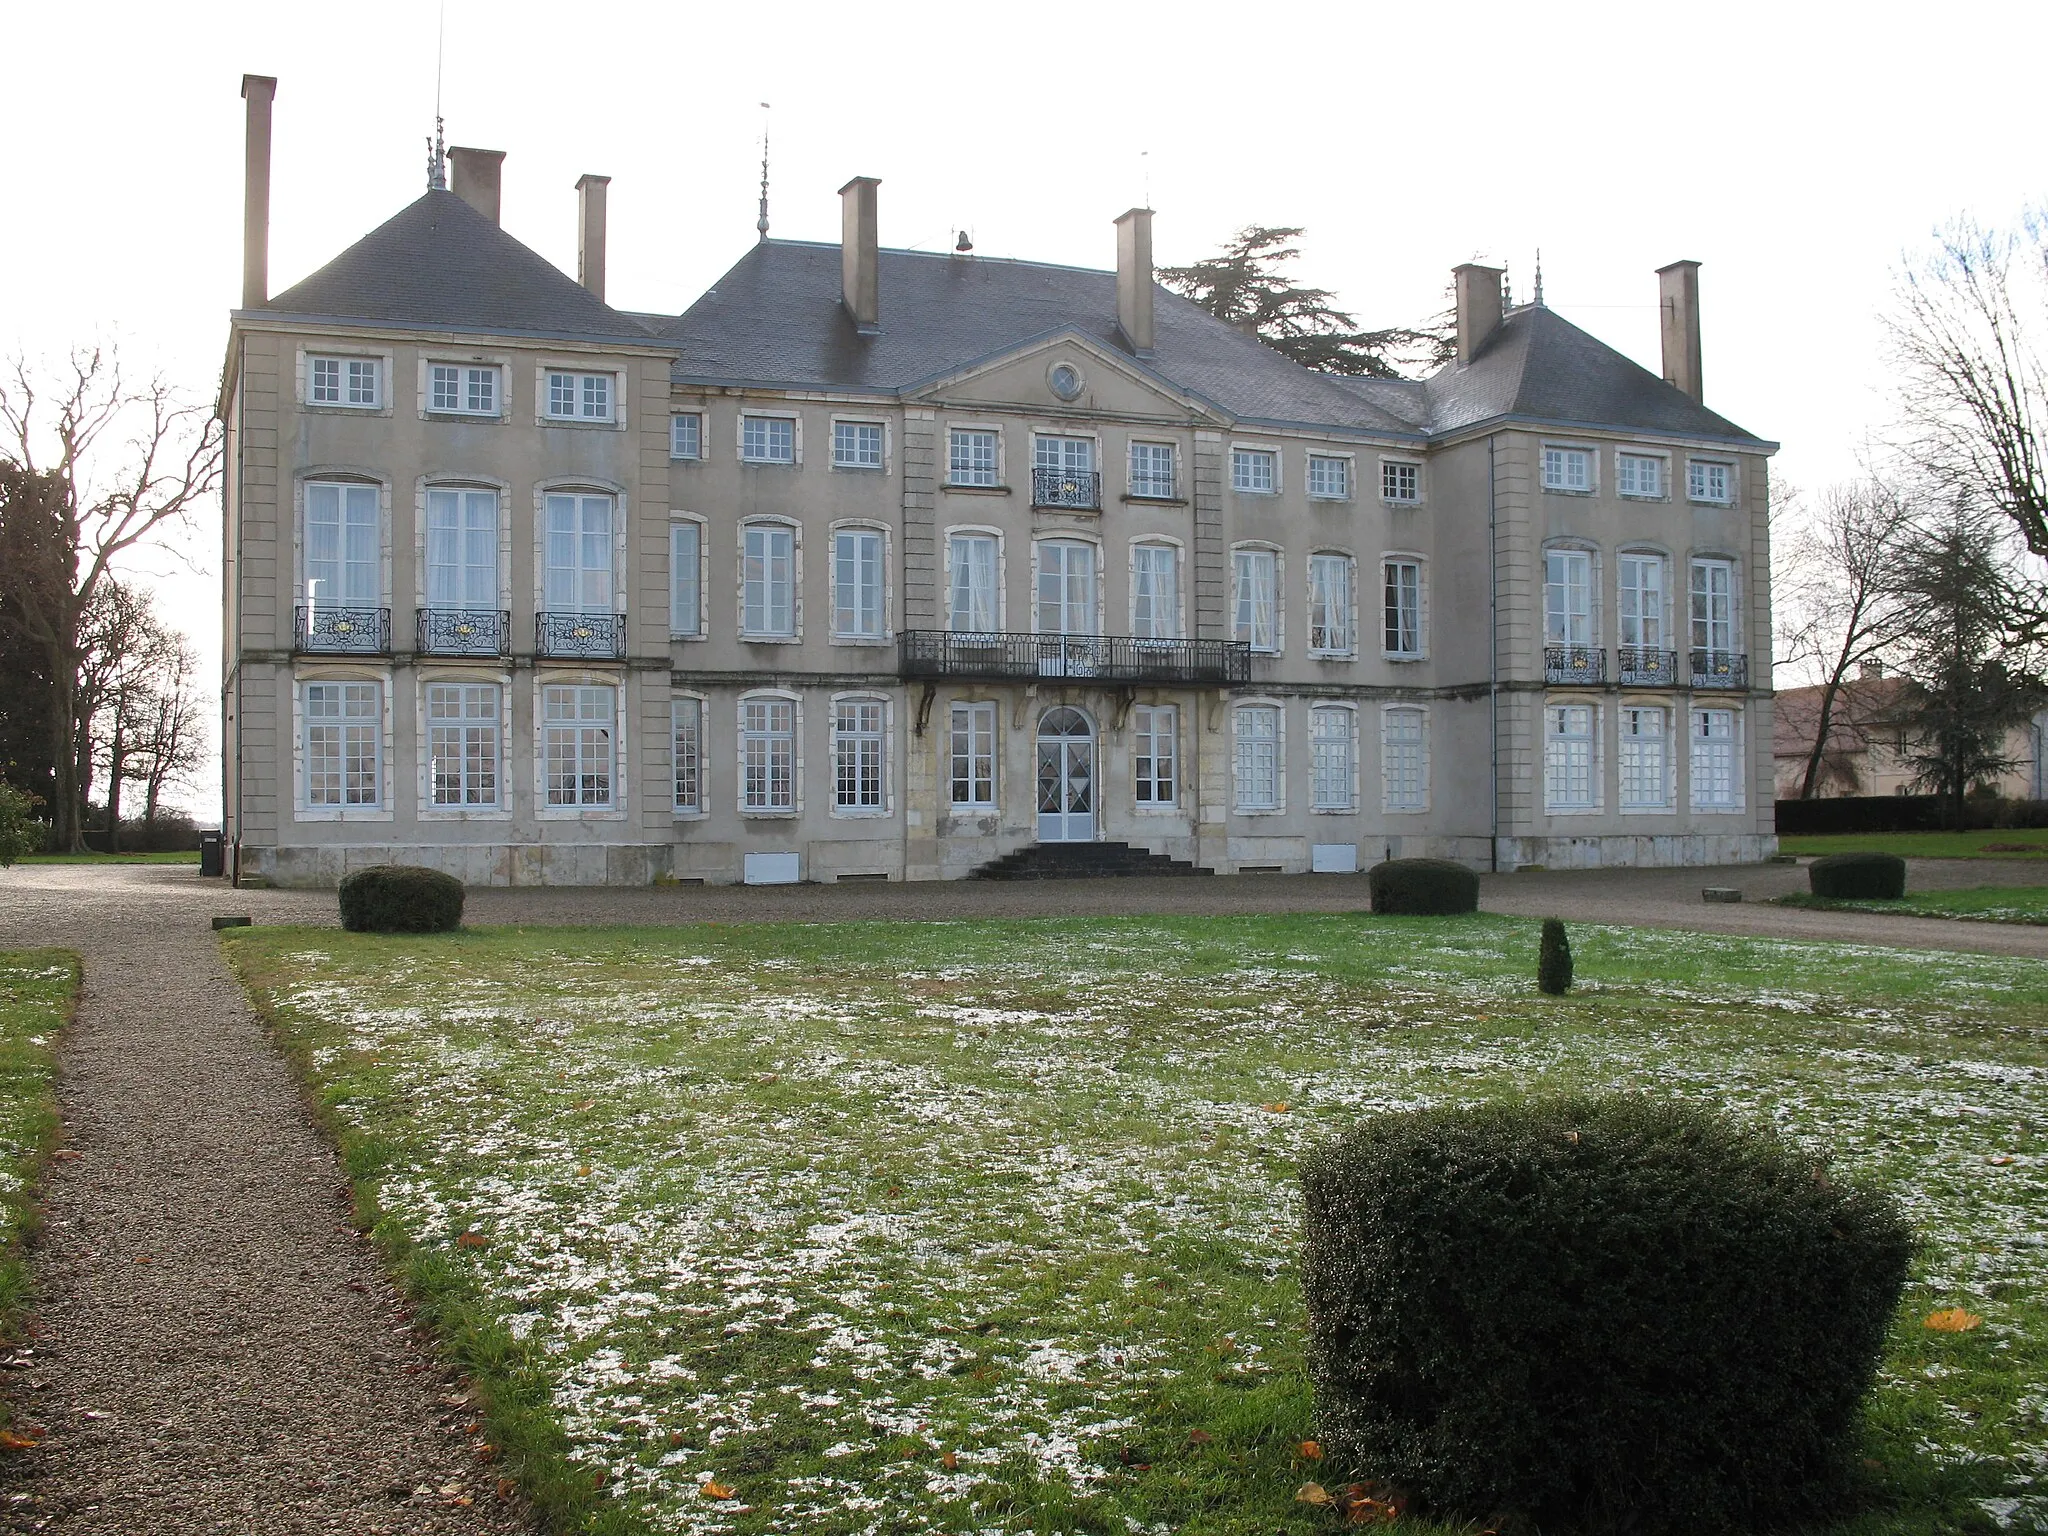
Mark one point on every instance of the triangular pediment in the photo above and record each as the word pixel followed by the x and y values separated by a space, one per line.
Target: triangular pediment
pixel 1066 371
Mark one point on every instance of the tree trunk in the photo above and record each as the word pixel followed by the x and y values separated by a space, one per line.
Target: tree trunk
pixel 66 827
pixel 117 763
pixel 1820 736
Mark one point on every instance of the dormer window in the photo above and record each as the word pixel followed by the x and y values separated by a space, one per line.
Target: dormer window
pixel 579 396
pixel 346 381
pixel 458 389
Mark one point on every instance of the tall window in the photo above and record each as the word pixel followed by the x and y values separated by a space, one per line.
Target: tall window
pixel 462 390
pixel 462 743
pixel 577 726
pixel 462 549
pixel 856 445
pixel 767 754
pixel 858 754
pixel 1063 455
pixel 685 579
pixel 1400 482
pixel 1402 580
pixel 345 381
pixel 1255 599
pixel 1569 783
pixel 1639 474
pixel 1567 469
pixel 1155 591
pixel 1329 477
pixel 344 725
pixel 1258 757
pixel 857 602
pixel 768 439
pixel 1404 760
pixel 973 605
pixel 1716 776
pixel 1707 481
pixel 1152 470
pixel 1066 587
pixel 579 549
pixel 686 753
pixel 1645 760
pixel 1154 743
pixel 1329 605
pixel 579 396
pixel 1567 597
pixel 972 743
pixel 1254 471
pixel 1642 601
pixel 686 436
pixel 767 581
pixel 971 457
pixel 1333 771
pixel 1713 608
pixel 344 560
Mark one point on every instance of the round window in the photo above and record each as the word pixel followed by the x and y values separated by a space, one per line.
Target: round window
pixel 1065 380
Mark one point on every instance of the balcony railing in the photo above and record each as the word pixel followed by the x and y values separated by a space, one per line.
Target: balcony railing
pixel 1094 658
pixel 464 631
pixel 1079 489
pixel 1643 667
pixel 1574 664
pixel 344 631
pixel 601 636
pixel 1719 669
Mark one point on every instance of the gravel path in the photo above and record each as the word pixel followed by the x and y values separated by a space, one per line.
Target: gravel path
pixel 214 1350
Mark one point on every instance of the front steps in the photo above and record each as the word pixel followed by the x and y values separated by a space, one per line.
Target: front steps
pixel 1082 861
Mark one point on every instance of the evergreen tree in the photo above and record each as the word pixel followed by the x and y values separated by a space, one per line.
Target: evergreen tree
pixel 1554 960
pixel 1245 285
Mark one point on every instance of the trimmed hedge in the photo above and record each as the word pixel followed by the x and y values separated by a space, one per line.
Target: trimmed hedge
pixel 1595 1313
pixel 1554 960
pixel 1423 888
pixel 398 898
pixel 1858 876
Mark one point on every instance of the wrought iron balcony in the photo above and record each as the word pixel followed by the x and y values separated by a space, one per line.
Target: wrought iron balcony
pixel 1719 669
pixel 345 631
pixel 600 636
pixel 1574 664
pixel 464 631
pixel 1080 490
pixel 1093 658
pixel 1643 667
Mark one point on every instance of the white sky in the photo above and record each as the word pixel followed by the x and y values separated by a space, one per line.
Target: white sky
pixel 1795 149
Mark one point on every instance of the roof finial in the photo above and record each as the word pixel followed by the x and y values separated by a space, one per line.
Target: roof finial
pixel 1538 300
pixel 761 224
pixel 437 147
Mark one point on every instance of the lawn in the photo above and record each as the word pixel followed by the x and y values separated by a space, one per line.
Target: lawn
pixel 2021 843
pixel 1980 904
pixel 37 987
pixel 992 1227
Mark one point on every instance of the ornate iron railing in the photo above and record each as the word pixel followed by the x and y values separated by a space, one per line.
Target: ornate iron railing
pixel 1644 667
pixel 1719 669
pixel 347 631
pixel 598 635
pixel 464 631
pixel 1091 658
pixel 1081 489
pixel 1574 664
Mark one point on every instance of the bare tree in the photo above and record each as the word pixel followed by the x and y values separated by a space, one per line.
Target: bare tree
pixel 1967 335
pixel 130 461
pixel 170 742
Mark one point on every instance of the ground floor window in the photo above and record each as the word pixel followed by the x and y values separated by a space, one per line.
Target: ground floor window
pixel 1569 783
pixel 686 745
pixel 1331 765
pixel 1645 761
pixel 859 750
pixel 973 750
pixel 767 754
pixel 578 726
pixel 1154 743
pixel 1716 777
pixel 344 744
pixel 1404 760
pixel 1258 757
pixel 462 743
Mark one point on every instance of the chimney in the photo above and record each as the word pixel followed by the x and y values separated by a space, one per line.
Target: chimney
pixel 1679 296
pixel 259 91
pixel 479 178
pixel 860 254
pixel 1134 280
pixel 1478 306
pixel 590 232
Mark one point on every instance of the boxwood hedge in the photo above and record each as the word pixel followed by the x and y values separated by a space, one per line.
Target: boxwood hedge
pixel 1858 876
pixel 1423 888
pixel 398 898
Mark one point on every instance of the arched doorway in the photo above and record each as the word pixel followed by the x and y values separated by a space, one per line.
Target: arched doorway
pixel 1066 777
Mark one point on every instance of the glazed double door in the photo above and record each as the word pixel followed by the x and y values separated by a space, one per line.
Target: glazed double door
pixel 1066 777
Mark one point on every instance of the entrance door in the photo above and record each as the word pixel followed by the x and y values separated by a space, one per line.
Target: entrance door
pixel 1066 777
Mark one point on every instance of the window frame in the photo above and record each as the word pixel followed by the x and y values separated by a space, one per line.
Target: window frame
pixel 1623 591
pixel 956 538
pixel 698 424
pixel 1393 804
pixel 1150 543
pixel 790 419
pixel 1146 775
pixel 1578 453
pixel 1276 607
pixel 380 563
pixel 699 570
pixel 1727 469
pixel 614 803
pixel 1590 588
pixel 1660 465
pixel 1093 580
pixel 579 492
pixel 1244 454
pixel 768 737
pixel 1553 803
pixel 1396 561
pixel 1737 802
pixel 856 425
pixel 792 530
pixel 1321 773
pixel 1321 561
pixel 466 373
pixel 615 403
pixel 1239 712
pixel 1134 480
pixel 974 756
pixel 1346 469
pixel 346 361
pixel 1390 471
pixel 432 725
pixel 955 432
pixel 1695 566
pixel 697 807
pixel 1666 802
pixel 880 738
pixel 379 729
pixel 879 532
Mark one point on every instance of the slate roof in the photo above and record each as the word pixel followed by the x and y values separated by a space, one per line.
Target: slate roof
pixel 439 263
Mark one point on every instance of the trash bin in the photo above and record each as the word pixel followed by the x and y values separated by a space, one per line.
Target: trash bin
pixel 213 853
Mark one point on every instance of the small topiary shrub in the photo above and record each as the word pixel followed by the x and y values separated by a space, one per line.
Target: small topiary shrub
pixel 1423 888
pixel 1554 960
pixel 1858 876
pixel 1600 1313
pixel 397 898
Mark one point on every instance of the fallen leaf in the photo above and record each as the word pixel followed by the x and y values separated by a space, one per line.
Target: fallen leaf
pixel 587 1104
pixel 1310 1451
pixel 470 1240
pixel 675 1437
pixel 145 1259
pixel 950 1462
pixel 712 1488
pixel 1277 1107
pixel 1199 1437
pixel 10 1441
pixel 1998 1159
pixel 1953 1320
pixel 583 1172
pixel 65 1155
pixel 506 1487
pixel 1313 1493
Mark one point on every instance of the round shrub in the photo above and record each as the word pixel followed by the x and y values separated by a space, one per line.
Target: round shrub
pixel 1601 1313
pixel 398 898
pixel 1423 888
pixel 1858 876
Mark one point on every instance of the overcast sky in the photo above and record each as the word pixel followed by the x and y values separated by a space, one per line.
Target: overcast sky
pixel 1796 150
